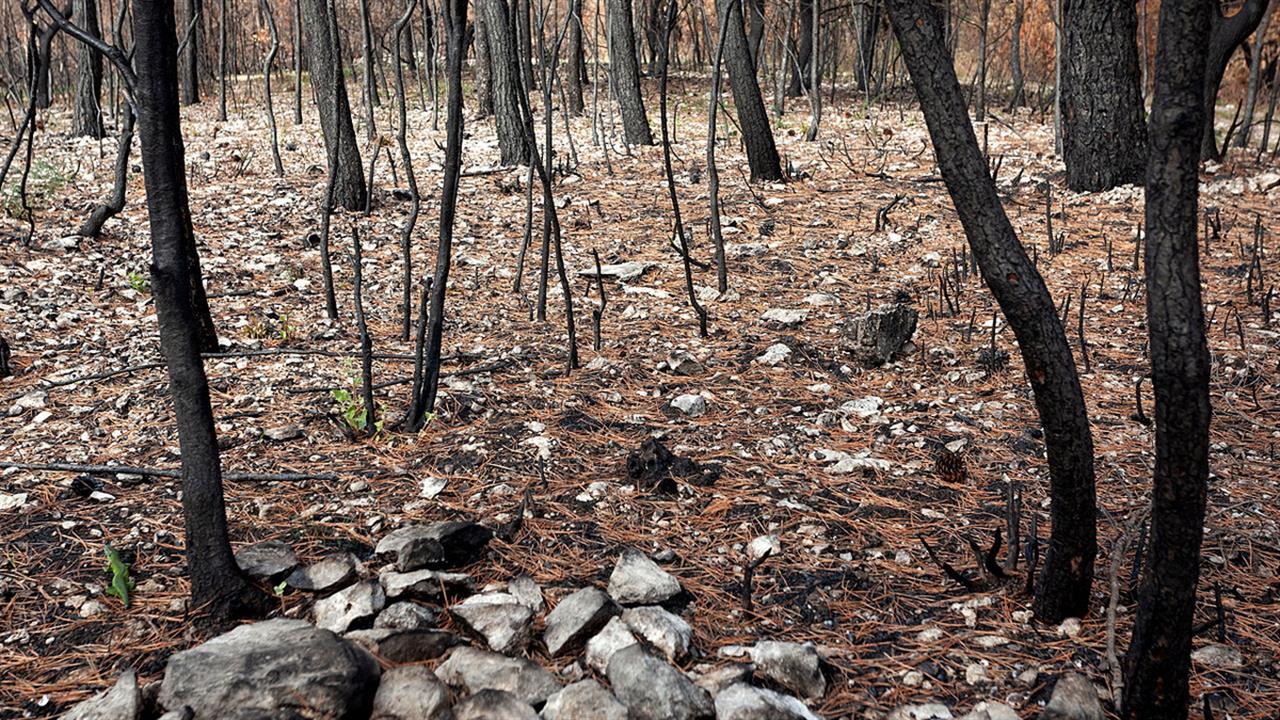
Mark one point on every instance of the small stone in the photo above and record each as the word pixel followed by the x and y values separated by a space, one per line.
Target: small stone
pixel 499 619
pixel 266 560
pixel 431 487
pixel 351 607
pixel 653 690
pixel 576 618
pixel 404 646
pixel 821 299
pixel 716 680
pixel 663 630
pixel 763 547
pixel 637 580
pixel 493 705
pixel 976 674
pixel 1070 627
pixel 990 641
pixel 428 585
pixel 441 545
pixel 584 700
pixel 991 711
pixel 406 615
pixel 680 362
pixel 1073 698
pixel 929 635
pixel 784 317
pixel 473 670
pixel 283 433
pixel 774 355
pixel 91 608
pixel 411 692
pixel 122 702
pixel 524 589
pixel 608 641
pixel 690 404
pixel 1217 655
pixel 922 711
pixel 744 702
pixel 794 666
pixel 878 334
pixel 913 678
pixel 325 575
pixel 1028 678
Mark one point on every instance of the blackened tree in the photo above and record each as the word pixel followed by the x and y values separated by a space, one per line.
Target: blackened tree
pixel 86 118
pixel 762 153
pixel 324 58
pixel 504 79
pixel 625 73
pixel 191 44
pixel 1225 35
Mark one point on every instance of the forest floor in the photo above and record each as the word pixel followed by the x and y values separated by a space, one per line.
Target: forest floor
pixel 848 488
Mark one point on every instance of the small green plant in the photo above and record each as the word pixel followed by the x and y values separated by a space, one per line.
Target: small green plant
pixel 139 282
pixel 353 411
pixel 278 589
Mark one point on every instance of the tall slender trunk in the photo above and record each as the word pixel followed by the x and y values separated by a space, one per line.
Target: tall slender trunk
pixel 753 119
pixel 815 72
pixel 267 62
pixel 87 117
pixel 625 73
pixel 191 52
pixel 803 52
pixel 868 32
pixel 574 70
pixel 297 62
pixel 984 20
pixel 1255 71
pixel 505 79
pixel 222 60
pixel 481 74
pixel 324 58
pixel 1019 96
pixel 755 40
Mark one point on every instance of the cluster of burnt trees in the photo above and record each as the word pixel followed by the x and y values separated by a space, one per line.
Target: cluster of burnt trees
pixel 1109 137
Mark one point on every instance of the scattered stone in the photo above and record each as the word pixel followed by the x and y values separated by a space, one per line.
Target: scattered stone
pixel 1028 678
pixel 717 679
pixel 182 713
pixel 690 404
pixel 976 674
pixel 493 705
pixel 283 433
pixel 1073 698
pixel 584 700
pixel 441 545
pixel 991 711
pixel 411 692
pixel 784 317
pixel 653 690
pixel 774 355
pixel 122 702
pixel 473 670
pixel 426 585
pixel 611 639
pixel 763 547
pixel 821 299
pixel 266 560
pixel 794 666
pixel 576 618
pixel 923 711
pixel 1070 627
pixel 326 575
pixel 662 629
pixel 405 616
pixel 431 487
pixel 654 468
pixel 680 362
pixel 500 619
pixel 878 334
pixel 404 646
pixel 278 668
pixel 637 580
pixel 744 702
pixel 524 589
pixel 351 607
pixel 1217 655
pixel 625 271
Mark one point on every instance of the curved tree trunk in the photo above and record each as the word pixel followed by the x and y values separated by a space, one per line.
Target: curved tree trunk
pixel 1225 35
pixel 191 53
pixel 1159 656
pixel 1104 136
pixel 87 116
pixel 324 57
pixel 625 73
pixel 1064 584
pixel 762 154
pixel 102 212
pixel 505 80
pixel 44 63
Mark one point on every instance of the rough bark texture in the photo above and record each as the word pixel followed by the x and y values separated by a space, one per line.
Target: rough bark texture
pixel 191 53
pixel 1225 35
pixel 1064 584
pixel 481 76
pixel 625 73
pixel 1159 654
pixel 756 39
pixel 324 58
pixel 216 581
pixel 504 78
pixel 523 26
pixel 1104 137
pixel 757 136
pixel 574 69
pixel 87 116
pixel 803 52
pixel 1019 96
pixel 868 31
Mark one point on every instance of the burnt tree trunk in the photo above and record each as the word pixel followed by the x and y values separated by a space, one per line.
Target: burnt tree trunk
pixel 191 52
pixel 324 58
pixel 1225 35
pixel 1104 136
pixel 87 116
pixel 523 26
pixel 481 74
pixel 803 52
pixel 868 31
pixel 504 77
pixel 104 211
pixel 217 585
pixel 625 73
pixel 755 40
pixel 44 64
pixel 757 136
pixel 1255 72
pixel 1018 98
pixel 574 70
pixel 1159 656
pixel 1064 584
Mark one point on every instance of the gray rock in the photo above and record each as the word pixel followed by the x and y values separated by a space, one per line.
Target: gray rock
pixel 493 705
pixel 637 580
pixel 991 711
pixel 440 545
pixel 717 679
pixel 411 692
pixel 473 670
pixel 1217 655
pixel 351 607
pixel 182 713
pixel 794 666
pixel 878 334
pixel 784 317
pixel 774 354
pixel 499 619
pixel 122 702
pixel 406 616
pixel 653 690
pixel 662 629
pixel 266 560
pixel 624 271
pixel 283 433
pixel 1073 698
pixel 524 589
pixel 923 711
pixel 681 362
pixel 404 646
pixel 608 641
pixel 282 669
pixel 427 585
pixel 690 404
pixel 744 702
pixel 576 618
pixel 584 700
pixel 325 575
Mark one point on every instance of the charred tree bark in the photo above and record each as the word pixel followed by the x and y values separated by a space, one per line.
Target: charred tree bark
pixel 1064 584
pixel 324 58
pixel 1255 71
pixel 574 70
pixel 1225 35
pixel 87 116
pixel 267 62
pixel 44 62
pixel 482 77
pixel 803 52
pixel 1159 656
pixel 191 53
pixel 523 24
pixel 406 159
pixel 505 79
pixel 625 73
pixel 297 62
pixel 102 212
pixel 217 585
pixel 1104 136
pixel 868 32
pixel 1019 96
pixel 755 41
pixel 222 60
pixel 757 136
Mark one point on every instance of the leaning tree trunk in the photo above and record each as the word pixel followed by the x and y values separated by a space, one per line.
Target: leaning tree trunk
pixel 217 585
pixel 505 80
pixel 574 70
pixel 104 211
pixel 1104 137
pixel 324 58
pixel 1225 35
pixel 1159 656
pixel 1064 584
pixel 626 75
pixel 480 69
pixel 44 65
pixel 87 116
pixel 762 154
pixel 191 52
